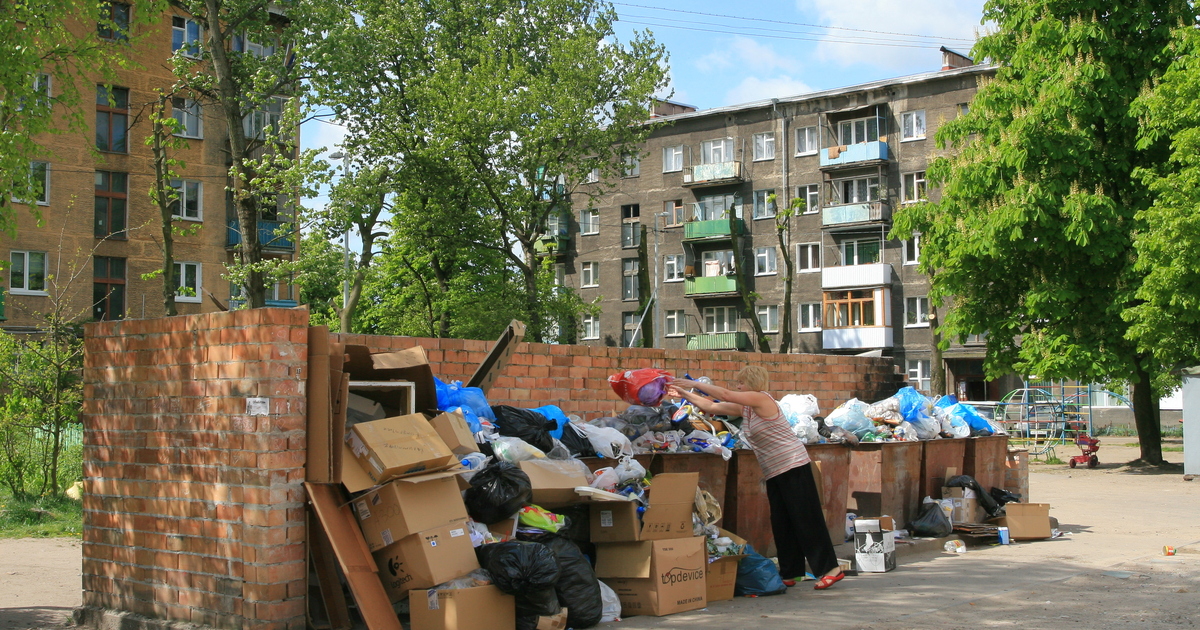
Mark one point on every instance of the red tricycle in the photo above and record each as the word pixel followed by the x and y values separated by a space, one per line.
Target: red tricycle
pixel 1089 445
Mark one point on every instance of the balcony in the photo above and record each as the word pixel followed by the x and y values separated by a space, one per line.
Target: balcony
pixel 713 174
pixel 715 230
pixel 266 235
pixel 550 245
pixel 856 276
pixel 711 286
pixel 864 338
pixel 850 215
pixel 860 154
pixel 719 341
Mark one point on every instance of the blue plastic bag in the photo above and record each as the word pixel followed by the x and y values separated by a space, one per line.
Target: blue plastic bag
pixel 914 404
pixel 557 415
pixel 977 422
pixel 757 576
pixel 454 395
pixel 472 419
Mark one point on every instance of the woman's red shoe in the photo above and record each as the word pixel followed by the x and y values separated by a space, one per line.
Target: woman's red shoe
pixel 828 580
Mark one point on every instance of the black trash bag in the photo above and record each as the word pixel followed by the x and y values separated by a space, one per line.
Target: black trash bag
pixel 577 588
pixel 526 424
pixel 576 442
pixel 986 501
pixel 526 570
pixel 497 492
pixel 932 523
pixel 1003 496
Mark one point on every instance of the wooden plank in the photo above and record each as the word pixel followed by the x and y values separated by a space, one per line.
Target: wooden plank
pixel 498 357
pixel 323 561
pixel 884 479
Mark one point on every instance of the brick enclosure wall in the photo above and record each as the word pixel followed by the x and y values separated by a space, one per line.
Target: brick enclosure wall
pixel 194 510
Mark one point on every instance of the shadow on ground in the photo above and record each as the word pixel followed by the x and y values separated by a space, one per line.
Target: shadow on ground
pixel 36 617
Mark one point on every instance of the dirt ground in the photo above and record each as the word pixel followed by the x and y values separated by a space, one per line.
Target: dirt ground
pixel 1107 571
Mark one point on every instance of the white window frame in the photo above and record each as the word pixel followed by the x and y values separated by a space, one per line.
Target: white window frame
pixel 711 150
pixel 919 373
pixel 673 159
pixel 766 262
pixel 724 258
pixel 589 275
pixel 771 313
pixel 591 326
pixel 813 310
pixel 181 187
pixel 256 122
pixel 806 254
pixel 675 323
pixel 807 141
pixel 858 185
pixel 844 246
pixel 811 194
pixel 190 117
pixel 589 221
pixel 912 250
pixel 189 47
pixel 25 264
pixel 917 308
pixel 728 318
pixel 915 192
pixel 673 268
pixel 854 130
pixel 763 208
pixel 631 329
pixel 707 208
pixel 592 176
pixel 912 125
pixel 43 84
pixel 631 165
pixel 243 44
pixel 631 226
pixel 764 146
pixel 181 268
pixel 629 280
pixel 44 200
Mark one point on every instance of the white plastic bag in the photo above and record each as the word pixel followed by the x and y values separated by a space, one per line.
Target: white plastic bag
pixel 628 469
pixel 611 610
pixel 851 416
pixel 511 449
pixel 799 404
pixel 607 441
pixel 708 443
pixel 606 479
pixel 805 428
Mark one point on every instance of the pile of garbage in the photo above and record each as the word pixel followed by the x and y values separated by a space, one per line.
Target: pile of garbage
pixel 907 416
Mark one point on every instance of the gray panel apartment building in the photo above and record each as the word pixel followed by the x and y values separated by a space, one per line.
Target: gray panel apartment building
pixel 701 189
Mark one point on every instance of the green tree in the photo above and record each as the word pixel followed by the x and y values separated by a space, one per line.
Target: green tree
pixel 1031 239
pixel 318 273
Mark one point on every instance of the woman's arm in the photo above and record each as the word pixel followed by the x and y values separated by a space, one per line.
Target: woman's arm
pixel 707 405
pixel 747 399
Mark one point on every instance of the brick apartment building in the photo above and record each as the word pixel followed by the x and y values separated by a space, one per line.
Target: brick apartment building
pixel 702 187
pixel 99 232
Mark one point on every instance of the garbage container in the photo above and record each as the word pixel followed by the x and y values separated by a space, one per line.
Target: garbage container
pixel 884 479
pixel 984 460
pixel 936 457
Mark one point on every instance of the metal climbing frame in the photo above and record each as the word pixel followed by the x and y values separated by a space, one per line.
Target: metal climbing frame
pixel 1046 414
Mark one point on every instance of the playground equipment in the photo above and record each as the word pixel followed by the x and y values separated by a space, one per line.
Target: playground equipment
pixel 1089 446
pixel 1043 415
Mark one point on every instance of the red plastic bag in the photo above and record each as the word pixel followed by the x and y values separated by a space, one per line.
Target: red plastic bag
pixel 647 386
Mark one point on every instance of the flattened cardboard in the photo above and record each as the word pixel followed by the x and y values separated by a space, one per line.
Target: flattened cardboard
pixel 478 608
pixel 669 514
pixel 498 356
pixel 398 447
pixel 426 559
pixel 554 481
pixel 966 507
pixel 407 506
pixel 556 622
pixel 1025 521
pixel 405 365
pixel 318 466
pixel 660 577
pixel 453 429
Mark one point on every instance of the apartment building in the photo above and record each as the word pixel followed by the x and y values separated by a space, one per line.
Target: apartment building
pixel 92 241
pixel 706 187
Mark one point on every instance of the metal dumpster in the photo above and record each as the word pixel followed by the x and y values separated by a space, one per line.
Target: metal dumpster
pixel 984 460
pixel 884 479
pixel 938 456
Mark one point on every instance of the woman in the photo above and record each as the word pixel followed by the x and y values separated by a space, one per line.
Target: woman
pixel 796 517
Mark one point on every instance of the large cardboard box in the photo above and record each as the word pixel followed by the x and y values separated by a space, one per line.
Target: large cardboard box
pixel 453 429
pixel 874 547
pixel 1025 521
pixel 659 577
pixel 478 608
pixel 409 505
pixel 397 447
pixel 721 574
pixel 405 365
pixel 966 506
pixel 426 559
pixel 554 481
pixel 669 514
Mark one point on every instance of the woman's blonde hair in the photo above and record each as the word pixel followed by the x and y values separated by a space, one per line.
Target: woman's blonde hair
pixel 754 378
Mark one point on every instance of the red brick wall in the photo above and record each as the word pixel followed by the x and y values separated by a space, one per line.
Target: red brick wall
pixel 194 510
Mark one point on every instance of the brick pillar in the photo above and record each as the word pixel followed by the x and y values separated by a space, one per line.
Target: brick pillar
pixel 194 509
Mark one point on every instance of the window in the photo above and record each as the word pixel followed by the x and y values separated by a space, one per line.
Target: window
pixel 964 109
pixel 629 279
pixel 187 112
pixel 187 205
pixel 764 206
pixel 768 318
pixel 764 146
pixel 589 221
pixel 114 21
pixel 808 257
pixel 593 176
pixel 712 207
pixel 589 274
pixel 912 125
pixel 631 329
pixel 673 268
pixel 673 159
pixel 806 141
pixel 112 192
pixel 716 151
pixel 108 288
pixel 717 263
pixel 674 212
pixel 912 187
pixel 912 250
pixel 916 311
pixel 631 166
pixel 112 119
pixel 810 317
pixel 39 176
pixel 631 227
pixel 857 190
pixel 918 373
pixel 846 309
pixel 27 273
pixel 720 319
pixel 41 92
pixel 591 326
pixel 860 130
pixel 243 44
pixel 764 261
pixel 811 194
pixel 560 275
pixel 862 252
pixel 676 324
pixel 185 36
pixel 187 282
pixel 256 123
pixel 976 339
pixel 556 223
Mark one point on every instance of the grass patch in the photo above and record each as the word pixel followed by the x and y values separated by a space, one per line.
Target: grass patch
pixel 40 518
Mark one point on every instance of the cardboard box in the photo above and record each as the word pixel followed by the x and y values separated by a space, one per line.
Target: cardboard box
pixel 397 447
pixel 478 608
pixel 362 409
pixel 669 515
pixel 452 428
pixel 554 481
pixel 1025 521
pixel 721 575
pixel 660 577
pixel 426 559
pixel 409 505
pixel 966 507
pixel 405 365
pixel 556 622
pixel 874 547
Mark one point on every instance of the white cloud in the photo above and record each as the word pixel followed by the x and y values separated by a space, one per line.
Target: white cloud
pixel 918 17
pixel 745 54
pixel 756 89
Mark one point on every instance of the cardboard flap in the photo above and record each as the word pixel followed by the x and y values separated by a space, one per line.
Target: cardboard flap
pixel 674 488
pixel 352 474
pixel 404 365
pixel 556 474
pixel 624 560
pixel 453 472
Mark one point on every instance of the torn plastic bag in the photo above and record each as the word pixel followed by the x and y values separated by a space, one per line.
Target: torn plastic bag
pixel 986 501
pixel 511 449
pixel 629 470
pixel 526 570
pixel 851 416
pixel 646 386
pixel 606 479
pixel 757 576
pixel 1003 496
pixel 612 604
pixel 560 451
pixel 576 441
pixel 607 441
pixel 497 492
pixel 577 587
pixel 526 424
pixel 886 410
pixel 913 404
pixel 932 523
pixel 452 395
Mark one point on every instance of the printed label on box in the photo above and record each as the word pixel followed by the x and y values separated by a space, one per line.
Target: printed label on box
pixel 386 535
pixel 431 595
pixel 364 512
pixel 433 543
pixel 606 518
pixel 455 533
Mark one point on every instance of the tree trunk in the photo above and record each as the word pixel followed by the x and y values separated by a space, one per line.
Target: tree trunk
pixel 529 272
pixel 1145 413
pixel 785 333
pixel 749 299
pixel 645 292
pixel 159 151
pixel 443 284
pixel 937 368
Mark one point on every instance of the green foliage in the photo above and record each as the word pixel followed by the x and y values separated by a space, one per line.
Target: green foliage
pixel 318 273
pixel 41 517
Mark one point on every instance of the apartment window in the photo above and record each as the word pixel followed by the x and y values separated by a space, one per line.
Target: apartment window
pixel 806 141
pixel 556 223
pixel 244 44
pixel 847 309
pixel 187 112
pixel 41 93
pixel 810 317
pixel 964 109
pixel 112 119
pixel 918 373
pixel 676 324
pixel 589 274
pixel 859 130
pixel 764 146
pixel 976 339
pixel 673 159
pixel 912 125
pixel 861 252
pixel 912 187
pixel 39 178
pixel 768 318
pixel 108 288
pixel 631 165
pixel 674 212
pixel 717 263
pixel 916 311
pixel 856 190
pixel 27 273
pixel 185 36
pixel 112 193
pixel 673 268
pixel 912 250
pixel 591 326
pixel 187 202
pixel 589 221
pixel 811 194
pixel 808 257
pixel 764 261
pixel 720 319
pixel 592 176
pixel 713 207
pixel 187 282
pixel 631 330
pixel 764 206
pixel 114 21
pixel 716 151
pixel 631 227
pixel 560 275
pixel 256 123
pixel 629 279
